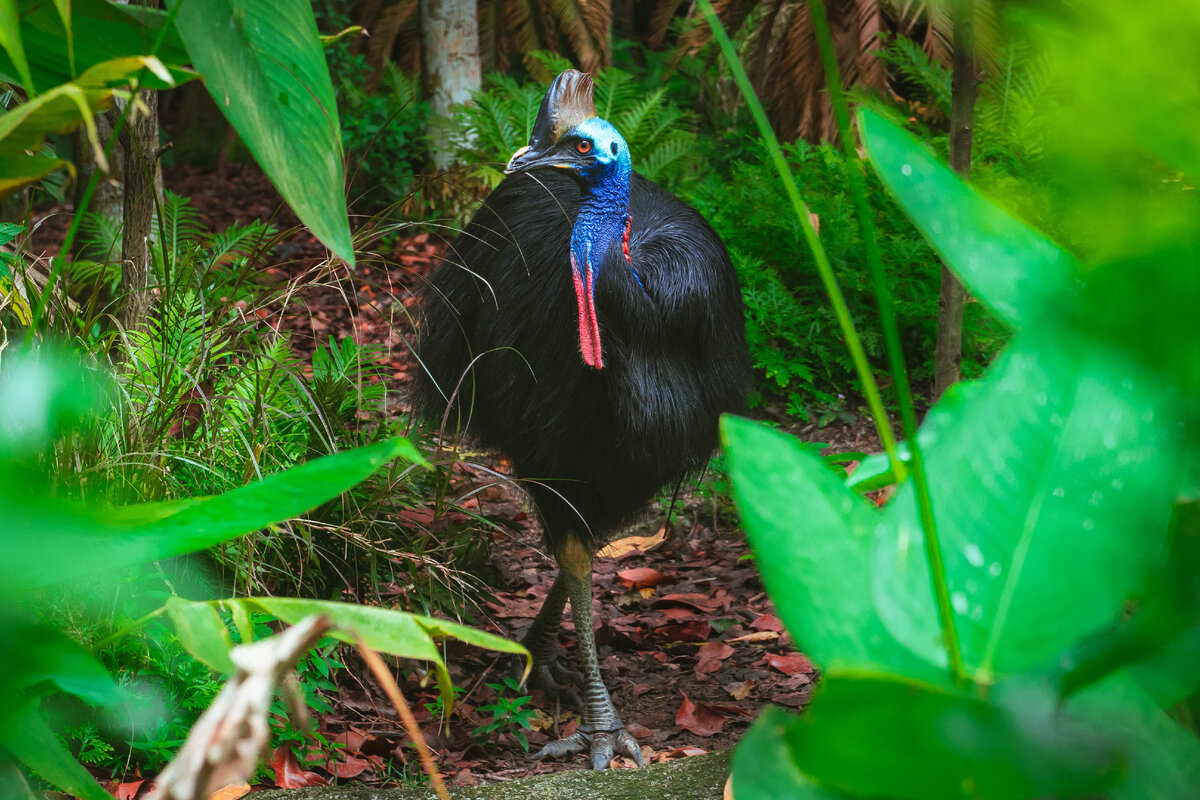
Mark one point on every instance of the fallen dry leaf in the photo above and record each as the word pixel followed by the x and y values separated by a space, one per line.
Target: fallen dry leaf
pixel 289 774
pixel 350 768
pixel 739 690
pixel 757 636
pixel 128 791
pixel 640 577
pixel 790 664
pixel 231 792
pixel 699 718
pixel 767 622
pixel 633 544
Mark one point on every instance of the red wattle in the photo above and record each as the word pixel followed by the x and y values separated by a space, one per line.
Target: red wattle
pixel 589 326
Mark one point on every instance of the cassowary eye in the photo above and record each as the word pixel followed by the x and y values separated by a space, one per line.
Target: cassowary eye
pixel 584 146
pixel 613 147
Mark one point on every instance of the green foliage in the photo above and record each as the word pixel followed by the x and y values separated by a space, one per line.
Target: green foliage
pixel 508 716
pixel 286 113
pixel 1064 516
pixel 792 334
pixel 383 131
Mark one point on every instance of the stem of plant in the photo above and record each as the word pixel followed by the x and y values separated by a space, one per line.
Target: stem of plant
pixel 891 337
pixel 828 279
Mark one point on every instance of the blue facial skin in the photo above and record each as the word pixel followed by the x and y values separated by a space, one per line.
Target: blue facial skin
pixel 604 213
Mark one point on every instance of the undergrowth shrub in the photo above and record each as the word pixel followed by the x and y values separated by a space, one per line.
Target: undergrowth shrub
pixel 794 341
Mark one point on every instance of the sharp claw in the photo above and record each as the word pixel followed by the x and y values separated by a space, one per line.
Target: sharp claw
pixel 575 743
pixel 600 745
pixel 627 745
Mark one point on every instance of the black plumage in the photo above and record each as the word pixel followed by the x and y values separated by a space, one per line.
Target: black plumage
pixel 589 325
pixel 594 445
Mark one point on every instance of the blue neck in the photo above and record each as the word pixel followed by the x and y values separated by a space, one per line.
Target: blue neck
pixel 603 214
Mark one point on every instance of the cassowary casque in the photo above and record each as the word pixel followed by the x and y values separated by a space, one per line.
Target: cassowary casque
pixel 588 325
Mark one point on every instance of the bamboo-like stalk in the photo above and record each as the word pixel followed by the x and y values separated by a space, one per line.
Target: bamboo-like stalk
pixel 891 336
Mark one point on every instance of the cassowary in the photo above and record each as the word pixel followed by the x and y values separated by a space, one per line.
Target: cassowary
pixel 588 325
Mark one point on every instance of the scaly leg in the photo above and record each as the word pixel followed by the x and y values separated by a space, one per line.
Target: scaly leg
pixel 548 673
pixel 602 733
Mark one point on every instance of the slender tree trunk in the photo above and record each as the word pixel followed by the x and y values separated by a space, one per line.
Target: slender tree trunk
pixel 140 138
pixel 948 353
pixel 450 50
pixel 109 197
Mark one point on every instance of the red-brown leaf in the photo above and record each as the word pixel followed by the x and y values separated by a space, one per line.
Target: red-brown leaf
pixel 790 664
pixel 288 774
pixel 767 622
pixel 640 577
pixel 128 791
pixel 350 768
pixel 699 718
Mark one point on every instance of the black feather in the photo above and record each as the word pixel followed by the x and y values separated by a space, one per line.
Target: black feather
pixel 499 334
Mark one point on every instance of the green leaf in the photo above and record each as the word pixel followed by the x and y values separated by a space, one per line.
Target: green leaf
pixel 31 654
pixel 395 632
pixel 100 31
pixel 19 169
pixel 10 41
pixel 804 523
pixel 96 540
pixel 1016 271
pixel 763 768
pixel 1163 759
pixel 266 70
pixel 888 736
pixel 202 633
pixel 26 735
pixel 1061 451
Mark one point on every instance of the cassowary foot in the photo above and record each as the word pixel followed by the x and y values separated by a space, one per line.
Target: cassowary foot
pixel 601 746
pixel 554 679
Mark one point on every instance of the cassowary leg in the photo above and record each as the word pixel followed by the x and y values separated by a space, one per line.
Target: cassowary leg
pixel 602 734
pixel 548 673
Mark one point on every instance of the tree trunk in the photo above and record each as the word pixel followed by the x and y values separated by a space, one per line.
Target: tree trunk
pixel 948 354
pixel 450 48
pixel 109 197
pixel 140 139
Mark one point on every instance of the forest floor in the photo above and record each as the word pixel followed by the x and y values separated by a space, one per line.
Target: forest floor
pixel 689 644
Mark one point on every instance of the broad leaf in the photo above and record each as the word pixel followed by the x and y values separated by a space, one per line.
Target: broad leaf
pixel 887 736
pixel 763 768
pixel 89 540
pixel 813 539
pixel 1163 758
pixel 100 31
pixel 394 632
pixel 1013 269
pixel 264 66
pixel 26 735
pixel 1062 458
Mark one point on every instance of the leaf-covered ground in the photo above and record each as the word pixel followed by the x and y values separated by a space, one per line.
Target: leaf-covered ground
pixel 689 644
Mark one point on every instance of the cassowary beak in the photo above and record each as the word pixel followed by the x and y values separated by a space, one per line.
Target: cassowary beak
pixel 528 158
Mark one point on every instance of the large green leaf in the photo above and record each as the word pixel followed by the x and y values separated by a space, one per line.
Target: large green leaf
pixel 31 654
pixel 11 45
pixel 813 539
pixel 1052 489
pixel 395 632
pixel 263 64
pixel 887 736
pixel 763 768
pixel 1015 270
pixel 29 738
pixel 1163 758
pixel 100 31
pixel 84 540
